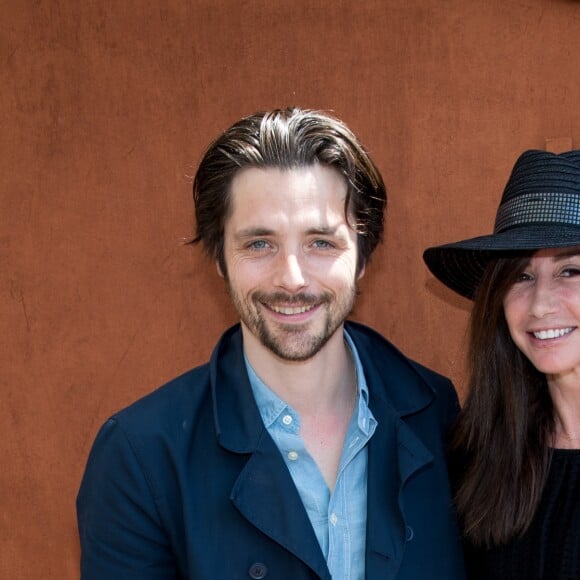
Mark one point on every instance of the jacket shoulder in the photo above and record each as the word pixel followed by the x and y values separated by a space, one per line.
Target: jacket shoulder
pixel 372 339
pixel 438 381
pixel 165 405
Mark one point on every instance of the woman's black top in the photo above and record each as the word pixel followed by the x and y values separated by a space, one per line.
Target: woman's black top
pixel 550 547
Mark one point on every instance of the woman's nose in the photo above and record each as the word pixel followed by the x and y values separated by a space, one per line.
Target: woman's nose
pixel 544 299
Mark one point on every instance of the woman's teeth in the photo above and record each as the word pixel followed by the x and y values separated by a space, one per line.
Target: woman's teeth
pixel 552 333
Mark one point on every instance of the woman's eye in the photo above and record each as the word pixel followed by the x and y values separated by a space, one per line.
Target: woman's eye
pixel 570 272
pixel 523 277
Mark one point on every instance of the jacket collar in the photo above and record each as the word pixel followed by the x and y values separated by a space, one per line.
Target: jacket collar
pixel 395 452
pixel 264 492
pixel 396 391
pixel 237 418
pixel 393 377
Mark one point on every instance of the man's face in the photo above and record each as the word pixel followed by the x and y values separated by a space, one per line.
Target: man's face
pixel 291 258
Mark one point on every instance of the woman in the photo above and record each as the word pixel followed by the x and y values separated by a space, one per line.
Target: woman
pixel 518 435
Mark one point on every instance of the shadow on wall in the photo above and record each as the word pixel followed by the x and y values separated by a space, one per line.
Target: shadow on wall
pixel 450 298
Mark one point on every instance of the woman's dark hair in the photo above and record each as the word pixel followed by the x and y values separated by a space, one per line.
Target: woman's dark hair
pixel 504 430
pixel 287 139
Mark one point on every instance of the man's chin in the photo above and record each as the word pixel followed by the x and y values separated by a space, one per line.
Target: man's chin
pixel 294 348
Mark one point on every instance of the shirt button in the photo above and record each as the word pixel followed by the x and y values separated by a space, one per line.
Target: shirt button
pixel 287 419
pixel 292 455
pixel 258 571
pixel 410 533
pixel 333 519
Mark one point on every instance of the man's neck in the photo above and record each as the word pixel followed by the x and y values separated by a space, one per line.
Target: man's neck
pixel 316 385
pixel 322 390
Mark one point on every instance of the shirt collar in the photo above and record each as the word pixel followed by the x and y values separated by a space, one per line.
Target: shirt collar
pixel 269 403
pixel 365 417
pixel 271 406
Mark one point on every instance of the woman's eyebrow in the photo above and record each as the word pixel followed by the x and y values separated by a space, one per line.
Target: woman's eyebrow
pixel 566 253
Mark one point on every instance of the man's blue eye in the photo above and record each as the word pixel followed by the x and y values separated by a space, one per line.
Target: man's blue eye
pixel 259 245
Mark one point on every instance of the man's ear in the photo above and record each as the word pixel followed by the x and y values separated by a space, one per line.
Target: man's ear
pixel 219 269
pixel 361 272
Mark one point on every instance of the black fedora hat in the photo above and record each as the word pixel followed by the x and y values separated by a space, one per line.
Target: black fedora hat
pixel 540 208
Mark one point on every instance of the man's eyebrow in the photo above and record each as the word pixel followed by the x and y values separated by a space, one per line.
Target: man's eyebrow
pixel 252 232
pixel 322 231
pixel 262 231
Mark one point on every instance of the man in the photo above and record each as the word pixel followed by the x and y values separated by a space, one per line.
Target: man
pixel 307 447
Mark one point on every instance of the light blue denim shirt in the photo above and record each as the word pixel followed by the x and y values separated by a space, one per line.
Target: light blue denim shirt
pixel 339 519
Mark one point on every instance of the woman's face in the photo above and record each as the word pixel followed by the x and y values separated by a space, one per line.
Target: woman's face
pixel 542 310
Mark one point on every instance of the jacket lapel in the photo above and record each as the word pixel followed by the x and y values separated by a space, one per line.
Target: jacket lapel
pixel 395 453
pixel 267 497
pixel 264 492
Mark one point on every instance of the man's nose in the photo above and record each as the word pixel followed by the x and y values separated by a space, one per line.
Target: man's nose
pixel 290 272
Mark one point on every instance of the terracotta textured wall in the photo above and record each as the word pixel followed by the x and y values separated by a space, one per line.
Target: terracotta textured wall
pixel 105 109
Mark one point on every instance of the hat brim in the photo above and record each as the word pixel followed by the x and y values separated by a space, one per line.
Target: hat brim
pixel 460 266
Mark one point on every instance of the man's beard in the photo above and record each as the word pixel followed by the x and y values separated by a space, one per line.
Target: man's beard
pixel 293 342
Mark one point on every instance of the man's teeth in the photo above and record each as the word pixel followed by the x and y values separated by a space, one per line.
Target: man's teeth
pixel 291 310
pixel 552 333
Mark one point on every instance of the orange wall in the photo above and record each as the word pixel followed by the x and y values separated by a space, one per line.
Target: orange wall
pixel 105 113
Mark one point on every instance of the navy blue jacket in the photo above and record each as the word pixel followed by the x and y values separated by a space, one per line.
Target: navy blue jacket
pixel 187 483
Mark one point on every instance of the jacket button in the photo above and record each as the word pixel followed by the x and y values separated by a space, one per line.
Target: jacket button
pixel 410 534
pixel 258 571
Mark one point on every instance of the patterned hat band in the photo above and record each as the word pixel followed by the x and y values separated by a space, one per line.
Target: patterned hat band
pixel 539 208
pixel 528 208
